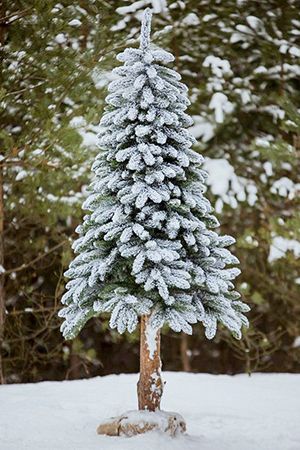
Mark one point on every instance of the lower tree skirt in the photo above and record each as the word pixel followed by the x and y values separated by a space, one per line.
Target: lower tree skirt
pixel 132 423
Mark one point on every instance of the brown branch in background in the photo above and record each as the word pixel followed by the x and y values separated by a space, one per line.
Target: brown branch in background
pixel 38 258
pixel 12 17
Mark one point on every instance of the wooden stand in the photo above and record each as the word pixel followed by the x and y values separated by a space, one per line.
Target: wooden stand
pixel 140 422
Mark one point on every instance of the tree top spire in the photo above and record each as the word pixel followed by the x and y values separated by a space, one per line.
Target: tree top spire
pixel 145 29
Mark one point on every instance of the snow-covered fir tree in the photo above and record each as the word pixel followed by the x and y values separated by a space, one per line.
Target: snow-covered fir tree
pixel 148 245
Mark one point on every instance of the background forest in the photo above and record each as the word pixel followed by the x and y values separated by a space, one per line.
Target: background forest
pixel 241 62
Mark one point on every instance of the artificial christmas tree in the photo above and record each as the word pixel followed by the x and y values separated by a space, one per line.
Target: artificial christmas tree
pixel 147 248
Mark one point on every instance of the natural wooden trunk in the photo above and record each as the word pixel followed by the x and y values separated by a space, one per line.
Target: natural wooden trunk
pixel 184 352
pixel 150 384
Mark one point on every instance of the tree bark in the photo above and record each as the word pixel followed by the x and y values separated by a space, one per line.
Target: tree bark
pixel 150 384
pixel 184 352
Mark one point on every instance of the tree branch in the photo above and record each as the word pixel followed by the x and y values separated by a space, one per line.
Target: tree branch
pixel 38 258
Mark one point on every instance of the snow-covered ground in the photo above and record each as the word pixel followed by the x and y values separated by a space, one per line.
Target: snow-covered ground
pixel 261 412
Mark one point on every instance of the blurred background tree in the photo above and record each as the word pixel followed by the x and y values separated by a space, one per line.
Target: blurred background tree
pixel 240 60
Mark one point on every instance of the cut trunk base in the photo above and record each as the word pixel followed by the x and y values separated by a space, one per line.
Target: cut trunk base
pixel 139 422
pixel 150 388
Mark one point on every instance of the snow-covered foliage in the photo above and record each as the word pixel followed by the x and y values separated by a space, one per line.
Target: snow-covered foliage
pixel 227 186
pixel 148 243
pixel 281 245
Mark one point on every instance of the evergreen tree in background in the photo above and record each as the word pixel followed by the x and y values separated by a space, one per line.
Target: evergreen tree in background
pixel 49 98
pixel 147 248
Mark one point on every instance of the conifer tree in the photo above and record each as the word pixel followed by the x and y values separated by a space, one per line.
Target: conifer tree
pixel 148 249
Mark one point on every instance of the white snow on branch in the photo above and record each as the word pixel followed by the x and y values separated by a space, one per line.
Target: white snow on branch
pixel 221 106
pixel 102 78
pixel 255 23
pixel 89 138
pixel 285 188
pixel 191 19
pixel 295 51
pixel 77 122
pixel 21 175
pixel 60 38
pixel 72 199
pixel 136 8
pixel 263 141
pixel 121 24
pixel 88 132
pixel 219 67
pixel 296 343
pixel 268 168
pixel 236 37
pixel 75 23
pixel 281 245
pixel 132 8
pixel 202 129
pixel 158 6
pixel 227 186
pixel 274 110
